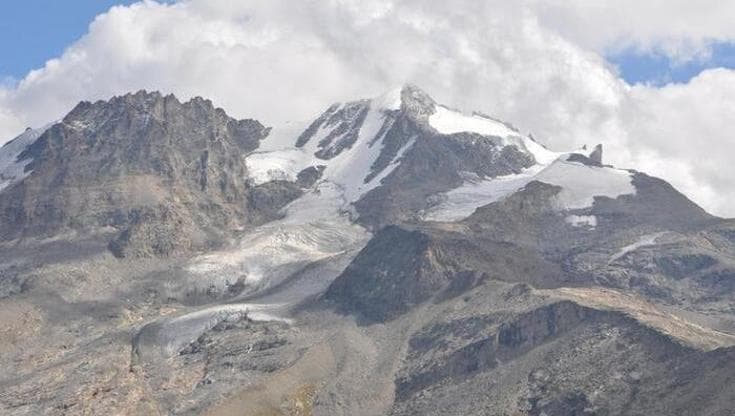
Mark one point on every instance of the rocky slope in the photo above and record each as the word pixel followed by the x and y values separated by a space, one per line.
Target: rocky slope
pixel 161 176
pixel 392 257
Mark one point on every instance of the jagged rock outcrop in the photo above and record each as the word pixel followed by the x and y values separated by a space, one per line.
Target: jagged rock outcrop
pixel 596 155
pixel 162 176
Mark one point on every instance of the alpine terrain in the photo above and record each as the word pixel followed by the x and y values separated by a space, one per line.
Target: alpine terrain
pixel 394 256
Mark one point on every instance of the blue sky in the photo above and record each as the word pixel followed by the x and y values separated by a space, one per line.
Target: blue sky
pixel 33 31
pixel 658 69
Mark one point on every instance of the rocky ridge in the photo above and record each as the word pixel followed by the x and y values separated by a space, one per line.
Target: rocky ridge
pixel 160 176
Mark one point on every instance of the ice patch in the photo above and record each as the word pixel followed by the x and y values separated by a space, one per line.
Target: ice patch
pixel 580 185
pixel 171 335
pixel 446 121
pixel 461 202
pixel 274 165
pixel 312 229
pixel 581 220
pixel 646 240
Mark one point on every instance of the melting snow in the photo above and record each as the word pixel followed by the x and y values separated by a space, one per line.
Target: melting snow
pixel 461 202
pixel 313 228
pixel 646 240
pixel 317 226
pixel 582 220
pixel 580 184
pixel 284 164
pixel 171 335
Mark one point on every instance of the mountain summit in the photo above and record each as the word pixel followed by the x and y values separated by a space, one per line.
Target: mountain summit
pixel 394 256
pixel 165 176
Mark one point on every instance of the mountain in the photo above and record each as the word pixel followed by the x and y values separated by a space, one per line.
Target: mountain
pixel 159 175
pixel 394 256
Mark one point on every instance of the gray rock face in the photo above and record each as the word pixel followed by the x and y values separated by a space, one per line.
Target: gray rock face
pixel 656 203
pixel 596 155
pixel 345 122
pixel 416 103
pixel 508 339
pixel 401 268
pixel 550 360
pixel 309 176
pixel 164 176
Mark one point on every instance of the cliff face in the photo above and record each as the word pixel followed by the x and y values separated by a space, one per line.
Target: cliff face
pixel 160 175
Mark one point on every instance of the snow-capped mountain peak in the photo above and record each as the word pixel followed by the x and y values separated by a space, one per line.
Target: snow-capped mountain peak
pixel 359 144
pixel 347 139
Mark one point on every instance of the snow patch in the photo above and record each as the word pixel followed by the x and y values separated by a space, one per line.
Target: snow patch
pixel 283 137
pixel 580 185
pixel 447 121
pixel 542 155
pixel 284 164
pixel 377 179
pixel 646 240
pixel 581 220
pixel 350 168
pixel 461 202
pixel 171 335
